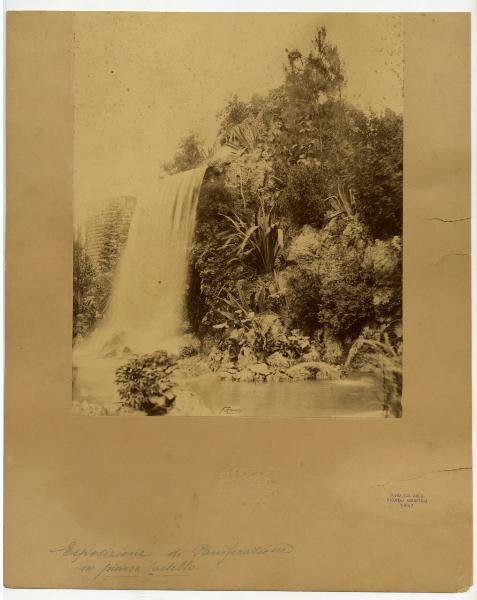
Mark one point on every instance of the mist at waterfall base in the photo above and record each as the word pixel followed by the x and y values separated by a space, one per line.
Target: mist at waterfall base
pixel 145 313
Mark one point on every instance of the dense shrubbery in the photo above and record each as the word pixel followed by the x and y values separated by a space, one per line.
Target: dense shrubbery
pixel 377 174
pixel 304 300
pixel 93 282
pixel 304 197
pixel 296 261
pixel 85 305
pixel 259 334
pixel 331 287
pixel 346 297
pixel 334 173
pixel 257 244
pixel 144 383
pixel 215 200
pixel 297 246
pixel 210 270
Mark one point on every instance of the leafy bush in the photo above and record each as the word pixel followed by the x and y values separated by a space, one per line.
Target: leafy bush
pixel 258 244
pixel 234 112
pixel 377 174
pixel 210 274
pixel 93 282
pixel 262 334
pixel 210 271
pixel 188 350
pixel 304 197
pixel 346 304
pixel 334 289
pixel 144 383
pixel 304 300
pixel 85 304
pixel 214 200
pixel 320 162
pixel 385 361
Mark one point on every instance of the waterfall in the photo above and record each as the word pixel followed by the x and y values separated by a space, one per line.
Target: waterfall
pixel 147 302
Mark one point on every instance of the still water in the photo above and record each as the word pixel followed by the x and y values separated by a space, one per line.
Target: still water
pixel 358 396
pixel 346 398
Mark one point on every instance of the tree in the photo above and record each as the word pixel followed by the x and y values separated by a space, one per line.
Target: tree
pixel 233 113
pixel 84 290
pixel 190 154
pixel 377 172
pixel 311 102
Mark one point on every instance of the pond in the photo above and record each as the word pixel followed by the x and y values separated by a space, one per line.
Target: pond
pixel 358 396
pixel 345 398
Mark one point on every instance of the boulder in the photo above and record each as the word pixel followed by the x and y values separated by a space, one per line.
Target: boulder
pixel 160 401
pixel 277 360
pixel 383 259
pixel 384 297
pixel 260 368
pixel 282 278
pixel 91 409
pixel 111 347
pixel 277 376
pixel 246 376
pixel 214 358
pixel 170 397
pixel 300 372
pixel 188 404
pixel 185 368
pixel 305 247
pixel 226 376
pixel 313 370
pixel 190 345
pixel 312 356
pixel 245 358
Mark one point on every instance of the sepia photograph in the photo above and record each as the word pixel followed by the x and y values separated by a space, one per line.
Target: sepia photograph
pixel 238 215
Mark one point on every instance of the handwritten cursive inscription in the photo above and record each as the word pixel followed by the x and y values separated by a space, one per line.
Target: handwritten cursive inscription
pixel 236 550
pixel 109 562
pixel 72 550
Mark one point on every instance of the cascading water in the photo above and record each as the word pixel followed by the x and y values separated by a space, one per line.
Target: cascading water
pixel 146 307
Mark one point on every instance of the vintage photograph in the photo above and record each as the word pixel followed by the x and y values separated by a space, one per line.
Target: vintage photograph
pixel 238 215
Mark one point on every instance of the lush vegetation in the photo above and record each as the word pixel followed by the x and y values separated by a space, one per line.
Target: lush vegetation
pixel 85 290
pixel 297 253
pixel 93 280
pixel 303 229
pixel 144 383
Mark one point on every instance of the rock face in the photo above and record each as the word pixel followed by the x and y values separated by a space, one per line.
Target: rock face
pixel 312 370
pixel 305 248
pixel 383 297
pixel 192 366
pixel 190 346
pixel 311 356
pixel 188 404
pixel 260 368
pixel 333 349
pixel 277 360
pixel 383 259
pixel 245 358
pixel 110 409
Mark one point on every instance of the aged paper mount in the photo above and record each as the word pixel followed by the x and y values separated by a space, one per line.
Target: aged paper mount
pixel 238 503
